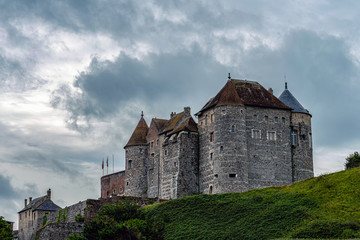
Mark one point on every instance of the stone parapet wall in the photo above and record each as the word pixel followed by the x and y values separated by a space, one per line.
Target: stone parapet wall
pixel 59 231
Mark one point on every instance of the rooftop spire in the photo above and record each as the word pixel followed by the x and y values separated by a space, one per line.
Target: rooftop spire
pixel 229 77
pixel 285 85
pixel 142 114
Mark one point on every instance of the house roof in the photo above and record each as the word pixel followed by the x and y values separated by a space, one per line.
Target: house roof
pixel 48 205
pixel 33 203
pixel 289 99
pixel 244 93
pixel 188 124
pixel 170 124
pixel 159 123
pixel 139 135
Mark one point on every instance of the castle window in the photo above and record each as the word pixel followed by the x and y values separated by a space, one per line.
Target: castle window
pixel 211 136
pixel 221 149
pixel 157 142
pixel 310 140
pixel 114 191
pixel 232 175
pixel 294 137
pixel 233 128
pixel 129 164
pixel 255 117
pixel 216 176
pixel 256 134
pixel 266 118
pixel 175 164
pixel 271 135
pixel 211 156
pixel 140 150
pixel 127 183
pixel 210 189
pixel 152 144
pixel 206 119
pixel 165 152
pixel 223 112
pixel 283 120
pixel 241 111
pixel 193 150
pixel 276 119
pixel 212 117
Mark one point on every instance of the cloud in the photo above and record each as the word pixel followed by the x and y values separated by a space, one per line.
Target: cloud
pixel 158 80
pixel 7 191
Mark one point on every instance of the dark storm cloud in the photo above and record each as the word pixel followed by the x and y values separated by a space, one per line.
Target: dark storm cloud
pixel 321 74
pixel 6 189
pixel 107 86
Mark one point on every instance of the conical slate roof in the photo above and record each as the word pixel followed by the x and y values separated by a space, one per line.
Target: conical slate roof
pixel 287 98
pixel 139 135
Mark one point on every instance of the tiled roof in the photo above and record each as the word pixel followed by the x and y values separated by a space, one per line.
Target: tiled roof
pixel 243 92
pixel 33 203
pixel 159 123
pixel 188 124
pixel 170 125
pixel 139 135
pixel 287 98
pixel 48 205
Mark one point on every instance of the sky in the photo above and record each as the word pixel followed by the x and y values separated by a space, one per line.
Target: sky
pixel 75 76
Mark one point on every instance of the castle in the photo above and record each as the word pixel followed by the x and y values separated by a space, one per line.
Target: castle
pixel 245 138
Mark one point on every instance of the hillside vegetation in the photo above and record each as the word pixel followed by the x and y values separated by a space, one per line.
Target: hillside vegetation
pixel 323 207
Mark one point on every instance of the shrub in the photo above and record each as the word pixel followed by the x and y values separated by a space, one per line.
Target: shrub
pixel 353 160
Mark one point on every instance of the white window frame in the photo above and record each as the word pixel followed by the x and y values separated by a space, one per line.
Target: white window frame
pixel 271 135
pixel 255 136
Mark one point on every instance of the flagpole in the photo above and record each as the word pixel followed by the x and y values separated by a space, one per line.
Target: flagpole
pixel 113 163
pixel 102 166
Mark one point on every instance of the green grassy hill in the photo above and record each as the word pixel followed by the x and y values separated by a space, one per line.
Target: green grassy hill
pixel 323 207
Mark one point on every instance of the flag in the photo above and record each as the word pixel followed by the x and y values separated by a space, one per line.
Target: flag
pixel 103 164
pixel 107 162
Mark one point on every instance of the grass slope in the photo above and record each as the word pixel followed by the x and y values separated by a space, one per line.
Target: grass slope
pixel 323 207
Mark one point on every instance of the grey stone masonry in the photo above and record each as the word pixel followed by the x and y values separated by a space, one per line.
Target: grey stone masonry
pixel 136 171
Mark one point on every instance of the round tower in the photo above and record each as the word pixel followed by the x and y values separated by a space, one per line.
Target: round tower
pixel 300 138
pixel 136 154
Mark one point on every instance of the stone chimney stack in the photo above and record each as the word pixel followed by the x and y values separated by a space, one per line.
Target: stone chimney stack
pixel 271 91
pixel 172 114
pixel 49 194
pixel 187 111
pixel 25 202
pixel 30 200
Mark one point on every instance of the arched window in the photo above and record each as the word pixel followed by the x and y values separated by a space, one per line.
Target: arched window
pixel 211 189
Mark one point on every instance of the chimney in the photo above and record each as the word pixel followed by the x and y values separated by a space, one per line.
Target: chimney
pixel 187 111
pixel 30 200
pixel 271 91
pixel 49 194
pixel 172 114
pixel 25 202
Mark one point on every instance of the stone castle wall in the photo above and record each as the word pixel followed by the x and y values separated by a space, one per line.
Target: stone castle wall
pixel 302 150
pixel 269 159
pixel 136 174
pixel 113 184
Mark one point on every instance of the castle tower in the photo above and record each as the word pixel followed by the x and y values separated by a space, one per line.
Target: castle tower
pixel 136 161
pixel 222 138
pixel 301 137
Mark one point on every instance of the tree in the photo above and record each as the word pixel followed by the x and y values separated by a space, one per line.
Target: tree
pixel 353 160
pixel 5 231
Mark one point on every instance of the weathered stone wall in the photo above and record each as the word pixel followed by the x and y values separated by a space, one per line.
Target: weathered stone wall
pixel 113 184
pixel 170 167
pixel 302 150
pixel 59 231
pixel 188 174
pixel 153 161
pixel 230 150
pixel 136 176
pixel 269 160
pixel 206 123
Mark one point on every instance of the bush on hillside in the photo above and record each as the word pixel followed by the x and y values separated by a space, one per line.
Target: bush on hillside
pixel 353 160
